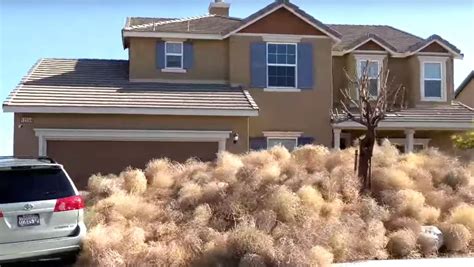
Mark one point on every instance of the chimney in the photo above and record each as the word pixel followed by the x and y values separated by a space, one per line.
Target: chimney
pixel 219 8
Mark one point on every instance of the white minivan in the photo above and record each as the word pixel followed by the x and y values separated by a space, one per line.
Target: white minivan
pixel 41 211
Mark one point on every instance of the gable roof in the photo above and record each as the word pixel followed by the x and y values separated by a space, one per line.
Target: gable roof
pixel 434 38
pixel 464 83
pixel 102 86
pixel 347 37
pixel 293 9
pixel 393 38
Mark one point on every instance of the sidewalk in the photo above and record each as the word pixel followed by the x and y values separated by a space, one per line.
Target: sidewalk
pixel 436 262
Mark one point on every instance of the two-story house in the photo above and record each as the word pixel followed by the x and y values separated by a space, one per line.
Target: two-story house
pixel 195 86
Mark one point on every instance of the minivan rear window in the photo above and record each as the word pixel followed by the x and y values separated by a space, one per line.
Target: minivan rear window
pixel 33 184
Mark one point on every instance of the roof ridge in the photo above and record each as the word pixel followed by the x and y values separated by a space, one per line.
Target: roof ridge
pixel 159 23
pixel 65 58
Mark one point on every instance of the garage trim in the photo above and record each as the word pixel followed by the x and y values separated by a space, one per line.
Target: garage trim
pixel 45 134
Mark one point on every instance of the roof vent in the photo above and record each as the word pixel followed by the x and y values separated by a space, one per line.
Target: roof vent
pixel 219 8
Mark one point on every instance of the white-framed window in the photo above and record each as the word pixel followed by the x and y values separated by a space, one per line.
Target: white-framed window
pixel 373 67
pixel 289 143
pixel 432 78
pixel 173 55
pixel 432 81
pixel 281 65
pixel 418 144
pixel 286 139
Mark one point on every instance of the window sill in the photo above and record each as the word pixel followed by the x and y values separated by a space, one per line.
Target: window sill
pixel 281 90
pixel 174 70
pixel 433 100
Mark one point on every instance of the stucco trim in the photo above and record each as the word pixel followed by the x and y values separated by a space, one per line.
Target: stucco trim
pixel 281 36
pixel 46 134
pixel 417 125
pixel 280 134
pixel 134 111
pixel 179 81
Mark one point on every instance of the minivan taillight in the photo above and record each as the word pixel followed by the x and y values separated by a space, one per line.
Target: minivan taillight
pixel 1 214
pixel 69 203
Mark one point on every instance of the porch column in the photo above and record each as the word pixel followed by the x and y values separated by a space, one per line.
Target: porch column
pixel 337 137
pixel 221 146
pixel 409 140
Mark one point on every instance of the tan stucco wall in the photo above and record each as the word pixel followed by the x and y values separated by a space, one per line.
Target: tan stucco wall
pixel 211 61
pixel 404 71
pixel 26 143
pixel 415 76
pixel 306 111
pixel 466 96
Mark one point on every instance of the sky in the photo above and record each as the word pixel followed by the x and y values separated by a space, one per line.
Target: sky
pixel 33 29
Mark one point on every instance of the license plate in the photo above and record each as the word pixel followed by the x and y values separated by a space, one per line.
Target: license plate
pixel 28 220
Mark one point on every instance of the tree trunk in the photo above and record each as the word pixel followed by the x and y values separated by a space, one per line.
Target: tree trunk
pixel 366 148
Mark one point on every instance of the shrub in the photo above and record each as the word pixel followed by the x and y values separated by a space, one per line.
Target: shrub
pixel 401 243
pixel 159 173
pixel 390 178
pixel 276 208
pixel 285 203
pixel 134 181
pixel 320 256
pixel 463 214
pixel 456 237
pixel 247 239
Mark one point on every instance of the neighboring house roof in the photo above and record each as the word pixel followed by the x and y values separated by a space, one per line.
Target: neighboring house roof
pixel 464 83
pixel 443 116
pixel 210 24
pixel 102 86
pixel 353 35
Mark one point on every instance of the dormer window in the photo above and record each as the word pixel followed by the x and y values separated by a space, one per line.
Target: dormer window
pixel 373 65
pixel 433 79
pixel 281 65
pixel 174 55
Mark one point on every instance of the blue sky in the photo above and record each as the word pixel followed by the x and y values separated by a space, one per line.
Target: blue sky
pixel 31 29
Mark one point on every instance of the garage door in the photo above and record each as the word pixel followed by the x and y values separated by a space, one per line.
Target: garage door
pixel 84 158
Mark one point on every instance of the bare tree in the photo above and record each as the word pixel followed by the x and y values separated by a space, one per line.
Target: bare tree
pixel 368 110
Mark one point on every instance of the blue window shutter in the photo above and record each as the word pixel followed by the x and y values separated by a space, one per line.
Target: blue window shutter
pixel 258 65
pixel 305 141
pixel 188 54
pixel 160 55
pixel 258 143
pixel 305 66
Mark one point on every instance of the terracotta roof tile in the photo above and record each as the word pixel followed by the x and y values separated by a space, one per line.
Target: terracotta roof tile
pixel 104 83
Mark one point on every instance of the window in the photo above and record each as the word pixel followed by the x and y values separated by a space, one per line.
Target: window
pixel 373 70
pixel 174 55
pixel 289 143
pixel 432 80
pixel 418 144
pixel 281 65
